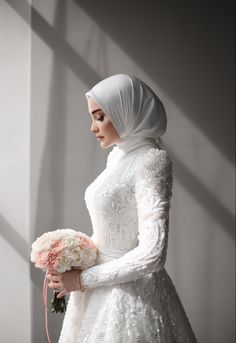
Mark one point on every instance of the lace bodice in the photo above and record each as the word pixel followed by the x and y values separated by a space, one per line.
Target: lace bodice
pixel 129 208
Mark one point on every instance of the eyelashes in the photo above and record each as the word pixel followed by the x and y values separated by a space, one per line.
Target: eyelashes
pixel 100 118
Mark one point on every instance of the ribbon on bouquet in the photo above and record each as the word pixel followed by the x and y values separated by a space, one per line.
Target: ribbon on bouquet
pixel 45 301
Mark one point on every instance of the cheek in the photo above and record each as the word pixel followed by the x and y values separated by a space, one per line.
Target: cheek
pixel 113 132
pixel 108 128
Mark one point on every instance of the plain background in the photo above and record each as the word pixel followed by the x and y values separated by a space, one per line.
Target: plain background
pixel 52 52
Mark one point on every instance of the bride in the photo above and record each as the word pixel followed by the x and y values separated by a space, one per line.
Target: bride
pixel 128 295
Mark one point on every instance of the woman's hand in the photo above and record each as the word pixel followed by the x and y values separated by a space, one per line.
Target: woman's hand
pixel 68 281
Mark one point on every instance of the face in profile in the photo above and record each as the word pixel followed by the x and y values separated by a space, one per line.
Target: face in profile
pixel 102 127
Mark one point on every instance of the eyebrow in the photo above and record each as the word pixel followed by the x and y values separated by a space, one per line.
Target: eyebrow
pixel 95 111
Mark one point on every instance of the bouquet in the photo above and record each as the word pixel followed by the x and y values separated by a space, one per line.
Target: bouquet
pixel 62 250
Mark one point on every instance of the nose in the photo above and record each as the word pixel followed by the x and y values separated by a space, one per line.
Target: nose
pixel 94 128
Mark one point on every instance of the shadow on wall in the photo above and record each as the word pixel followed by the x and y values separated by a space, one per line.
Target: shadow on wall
pixel 56 41
pixel 191 184
pixel 187 48
pixel 17 242
pixel 50 197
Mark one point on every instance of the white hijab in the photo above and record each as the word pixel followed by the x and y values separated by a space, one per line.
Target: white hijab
pixel 136 112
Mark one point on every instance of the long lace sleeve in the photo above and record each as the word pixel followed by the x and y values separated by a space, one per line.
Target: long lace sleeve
pixel 153 185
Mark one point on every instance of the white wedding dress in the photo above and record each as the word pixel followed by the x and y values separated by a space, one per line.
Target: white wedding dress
pixel 130 296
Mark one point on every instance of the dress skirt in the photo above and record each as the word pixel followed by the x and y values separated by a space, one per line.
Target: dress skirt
pixel 147 310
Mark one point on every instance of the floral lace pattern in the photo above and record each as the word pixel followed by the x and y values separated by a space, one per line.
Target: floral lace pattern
pixel 129 295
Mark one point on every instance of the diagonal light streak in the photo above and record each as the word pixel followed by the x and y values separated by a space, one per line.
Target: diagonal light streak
pixel 54 40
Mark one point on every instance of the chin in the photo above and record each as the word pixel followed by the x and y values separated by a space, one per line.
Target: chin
pixel 106 145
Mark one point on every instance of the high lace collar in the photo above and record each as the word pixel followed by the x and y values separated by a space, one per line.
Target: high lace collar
pixel 132 143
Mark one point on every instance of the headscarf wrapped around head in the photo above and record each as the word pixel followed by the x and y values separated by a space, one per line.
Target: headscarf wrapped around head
pixel 135 111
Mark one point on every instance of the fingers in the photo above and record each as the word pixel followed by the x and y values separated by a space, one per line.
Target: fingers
pixel 55 285
pixel 61 294
pixel 64 282
pixel 54 280
pixel 52 272
pixel 55 277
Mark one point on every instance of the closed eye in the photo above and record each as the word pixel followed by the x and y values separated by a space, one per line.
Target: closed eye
pixel 100 118
pixel 98 114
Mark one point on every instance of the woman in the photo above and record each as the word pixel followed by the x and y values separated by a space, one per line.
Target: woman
pixel 128 296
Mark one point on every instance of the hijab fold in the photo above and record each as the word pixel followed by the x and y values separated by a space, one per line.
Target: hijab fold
pixel 134 109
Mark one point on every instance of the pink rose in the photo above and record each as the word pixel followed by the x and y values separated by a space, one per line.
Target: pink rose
pixel 47 260
pixel 57 245
pixel 86 243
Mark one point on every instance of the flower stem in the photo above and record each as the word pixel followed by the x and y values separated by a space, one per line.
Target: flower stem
pixel 58 305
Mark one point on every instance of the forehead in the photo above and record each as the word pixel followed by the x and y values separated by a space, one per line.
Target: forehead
pixel 92 105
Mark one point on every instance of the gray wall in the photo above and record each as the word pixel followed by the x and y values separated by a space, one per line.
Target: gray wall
pixel 15 317
pixel 184 51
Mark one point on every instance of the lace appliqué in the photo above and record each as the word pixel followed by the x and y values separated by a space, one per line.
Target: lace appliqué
pixel 132 210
